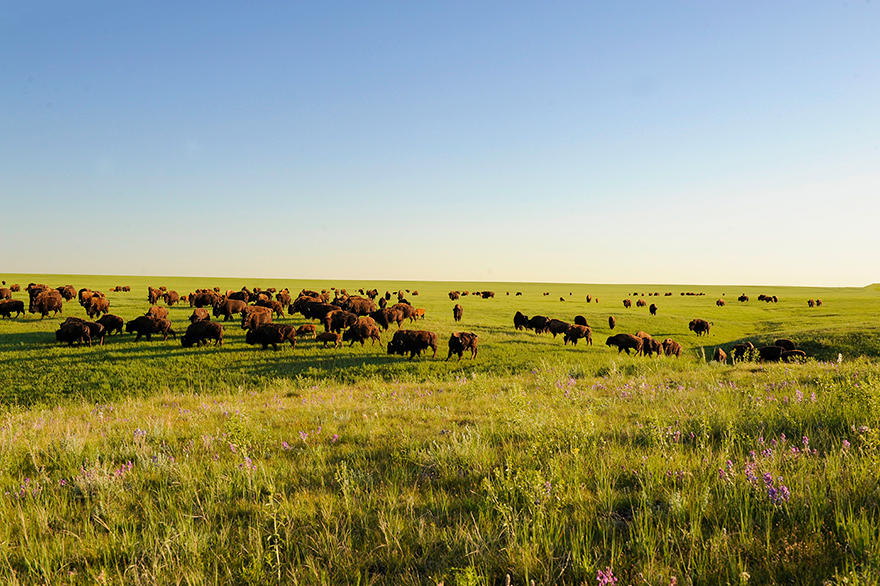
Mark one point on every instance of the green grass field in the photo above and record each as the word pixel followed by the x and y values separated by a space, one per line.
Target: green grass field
pixel 148 463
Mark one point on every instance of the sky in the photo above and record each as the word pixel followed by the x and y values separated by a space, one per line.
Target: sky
pixel 581 142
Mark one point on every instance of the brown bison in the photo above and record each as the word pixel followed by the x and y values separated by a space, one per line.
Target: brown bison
pixel 770 353
pixel 653 309
pixel 785 343
pixel 742 298
pixel 328 337
pixel 578 332
pixel 538 324
pixel 743 351
pixel 255 317
pixel 97 306
pixel 271 335
pixel 274 306
pixel 625 342
pixel 641 303
pixel 203 299
pixel 305 330
pixel 811 303
pixel 720 356
pixel 359 306
pixel 199 314
pixel 338 320
pixel 453 295
pixel 460 342
pixel 557 326
pixel 793 356
pixel 157 312
pixel 229 307
pixel 5 293
pixel 112 323
pixel 611 322
pixel 96 330
pixel 457 312
pixel 720 303
pixel 818 303
pixel 412 342
pixel 46 301
pixel 170 298
pixel 580 320
pixel 153 295
pixel 362 330
pixel 699 326
pixel 199 332
pixel 650 346
pixel 146 326
pixel 386 316
pixel 409 312
pixel 671 348
pixel 520 321
pixel 68 292
pixel 627 303
pixel 74 332
pixel 10 306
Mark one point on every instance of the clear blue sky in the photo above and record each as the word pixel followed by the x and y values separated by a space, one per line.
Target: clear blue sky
pixel 612 142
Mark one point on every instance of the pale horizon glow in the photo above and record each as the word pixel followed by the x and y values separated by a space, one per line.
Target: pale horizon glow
pixel 649 143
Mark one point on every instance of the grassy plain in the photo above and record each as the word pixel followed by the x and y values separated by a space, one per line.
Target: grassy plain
pixel 143 463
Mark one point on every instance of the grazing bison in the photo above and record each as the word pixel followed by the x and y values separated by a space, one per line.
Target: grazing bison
pixel 743 351
pixel 578 332
pixel 338 320
pixel 96 330
pixel 784 343
pixel 362 330
pixel 625 342
pixel 274 306
pixel 793 356
pixel 5 293
pixel 457 312
pixel 580 320
pixel 328 337
pixel 557 326
pixel 699 326
pixel 146 326
pixel 229 307
pixel 720 356
pixel 653 309
pixel 412 342
pixel 97 306
pixel 74 332
pixel 641 303
pixel 453 295
pixel 818 303
pixel 256 317
pixel 611 322
pixel 153 295
pixel 199 332
pixel 170 298
pixel 359 306
pixel 386 316
pixel 203 299
pixel 460 342
pixel 770 353
pixel 68 292
pixel 409 312
pixel 489 295
pixel 157 312
pixel 650 346
pixel 589 298
pixel 742 298
pixel 811 303
pixel 671 348
pixel 720 303
pixel 15 287
pixel 112 323
pixel 46 301
pixel 538 323
pixel 9 306
pixel 520 321
pixel 627 303
pixel 200 314
pixel 283 298
pixel 305 330
pixel 271 335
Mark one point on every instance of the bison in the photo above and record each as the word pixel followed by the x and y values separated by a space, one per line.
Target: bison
pixel 671 348
pixel 9 306
pixel 362 330
pixel 157 312
pixel 338 320
pixel 96 330
pixel 699 326
pixel 784 343
pixel 199 332
pixel 625 342
pixel 457 312
pixel 228 307
pixel 578 332
pixel 46 301
pixel 112 323
pixel 720 356
pixel 743 351
pixel 74 332
pixel 793 356
pixel 199 314
pixel 770 353
pixel 146 326
pixel 650 346
pixel 520 321
pixel 557 326
pixel 97 306
pixel 653 309
pixel 460 342
pixel 611 322
pixel 271 335
pixel 305 330
pixel 412 342
pixel 328 337
pixel 386 316
pixel 538 323
pixel 580 320
pixel 627 303
pixel 255 317
pixel 720 303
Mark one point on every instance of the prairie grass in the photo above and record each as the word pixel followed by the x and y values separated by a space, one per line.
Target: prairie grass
pixel 147 464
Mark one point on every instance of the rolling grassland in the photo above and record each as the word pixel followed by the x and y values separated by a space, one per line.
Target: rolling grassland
pixel 147 463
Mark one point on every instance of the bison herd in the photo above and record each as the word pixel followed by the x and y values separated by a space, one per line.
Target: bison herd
pixel 345 318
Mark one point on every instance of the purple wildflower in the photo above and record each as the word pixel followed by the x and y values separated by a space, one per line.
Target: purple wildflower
pixel 606 578
pixel 846 445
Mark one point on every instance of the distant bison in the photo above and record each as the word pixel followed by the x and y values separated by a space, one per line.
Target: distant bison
pixel 412 342
pixel 625 342
pixel 671 348
pixel 578 332
pixel 653 309
pixel 699 326
pixel 327 337
pixel 146 326
pixel 742 298
pixel 460 342
pixel 641 303
pixel 271 335
pixel 200 314
pixel 112 323
pixel 199 332
pixel 170 298
pixel 627 303
pixel 611 322
pixel 10 306
pixel 457 312
pixel 520 321
pixel 720 303
pixel 453 295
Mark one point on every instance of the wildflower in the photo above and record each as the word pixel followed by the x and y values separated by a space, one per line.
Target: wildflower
pixel 846 445
pixel 799 395
pixel 285 446
pixel 813 396
pixel 606 578
pixel 303 436
pixel 806 441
